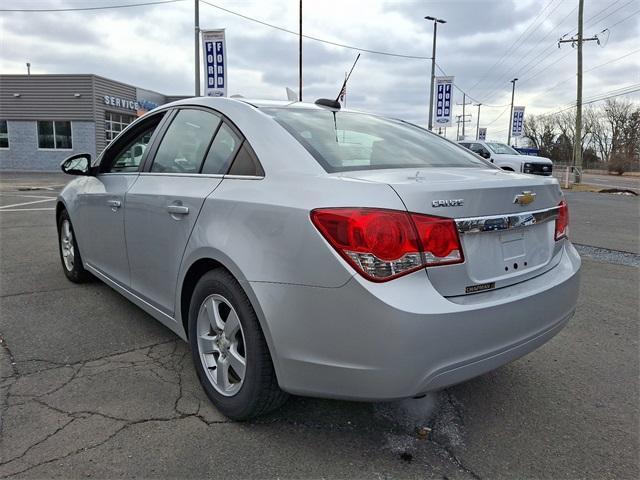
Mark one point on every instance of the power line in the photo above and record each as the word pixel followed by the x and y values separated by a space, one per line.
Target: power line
pixel 84 9
pixel 336 44
pixel 531 64
pixel 495 85
pixel 497 62
pixel 588 70
pixel 629 89
pixel 463 91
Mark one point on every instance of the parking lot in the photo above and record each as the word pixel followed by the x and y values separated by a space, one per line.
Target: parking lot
pixel 91 386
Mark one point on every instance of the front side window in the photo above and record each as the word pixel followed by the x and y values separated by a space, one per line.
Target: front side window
pixel 4 134
pixel 185 142
pixel 54 135
pixel 114 123
pixel 344 141
pixel 126 153
pixel 501 148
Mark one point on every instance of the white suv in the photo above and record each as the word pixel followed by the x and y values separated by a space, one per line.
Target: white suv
pixel 509 159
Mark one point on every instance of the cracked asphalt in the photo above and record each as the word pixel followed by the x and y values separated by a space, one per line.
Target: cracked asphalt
pixel 92 387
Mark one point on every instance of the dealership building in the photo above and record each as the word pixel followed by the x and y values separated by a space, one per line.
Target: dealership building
pixel 45 118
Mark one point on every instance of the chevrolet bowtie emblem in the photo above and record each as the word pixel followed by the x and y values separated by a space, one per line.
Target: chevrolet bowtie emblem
pixel 524 198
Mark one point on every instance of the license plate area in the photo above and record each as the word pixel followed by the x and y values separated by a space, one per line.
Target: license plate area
pixel 495 256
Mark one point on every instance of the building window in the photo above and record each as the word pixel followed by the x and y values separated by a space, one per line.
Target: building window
pixel 4 134
pixel 115 123
pixel 54 135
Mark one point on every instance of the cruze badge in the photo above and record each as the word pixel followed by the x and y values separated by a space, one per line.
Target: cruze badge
pixel 457 202
pixel 525 198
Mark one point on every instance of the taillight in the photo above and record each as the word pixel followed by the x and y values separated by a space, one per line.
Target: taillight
pixel 384 244
pixel 562 221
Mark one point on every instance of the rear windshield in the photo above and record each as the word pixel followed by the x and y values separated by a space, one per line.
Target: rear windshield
pixel 501 148
pixel 345 141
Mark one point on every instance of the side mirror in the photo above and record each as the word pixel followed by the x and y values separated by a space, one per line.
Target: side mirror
pixel 78 164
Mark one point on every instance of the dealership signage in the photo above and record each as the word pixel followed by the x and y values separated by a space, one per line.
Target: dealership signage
pixel 215 66
pixel 444 101
pixel 482 134
pixel 119 102
pixel 517 121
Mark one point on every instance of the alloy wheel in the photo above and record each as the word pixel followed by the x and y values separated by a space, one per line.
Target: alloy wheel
pixel 66 245
pixel 221 344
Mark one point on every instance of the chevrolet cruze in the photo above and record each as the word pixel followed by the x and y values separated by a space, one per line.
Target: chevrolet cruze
pixel 307 249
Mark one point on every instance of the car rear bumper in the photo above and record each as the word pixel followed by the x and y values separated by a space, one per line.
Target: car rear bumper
pixel 383 341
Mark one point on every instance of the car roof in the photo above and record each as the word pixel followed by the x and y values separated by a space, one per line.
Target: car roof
pixel 214 102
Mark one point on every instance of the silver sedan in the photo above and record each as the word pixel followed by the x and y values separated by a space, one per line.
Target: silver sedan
pixel 307 249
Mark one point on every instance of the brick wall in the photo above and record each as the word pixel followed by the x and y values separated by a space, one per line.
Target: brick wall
pixel 23 152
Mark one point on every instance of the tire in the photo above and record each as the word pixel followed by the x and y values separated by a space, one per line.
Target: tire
pixel 69 252
pixel 220 344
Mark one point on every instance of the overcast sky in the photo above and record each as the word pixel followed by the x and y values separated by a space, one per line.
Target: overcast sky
pixel 485 43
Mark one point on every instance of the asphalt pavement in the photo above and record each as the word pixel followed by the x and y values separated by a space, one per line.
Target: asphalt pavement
pixel 92 387
pixel 631 182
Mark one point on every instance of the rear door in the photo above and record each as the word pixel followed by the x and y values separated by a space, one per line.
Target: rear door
pixel 101 225
pixel 162 207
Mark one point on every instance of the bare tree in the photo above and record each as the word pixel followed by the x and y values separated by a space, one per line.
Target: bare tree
pixel 600 133
pixel 540 130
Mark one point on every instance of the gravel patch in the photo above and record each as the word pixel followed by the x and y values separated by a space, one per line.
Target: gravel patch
pixel 606 255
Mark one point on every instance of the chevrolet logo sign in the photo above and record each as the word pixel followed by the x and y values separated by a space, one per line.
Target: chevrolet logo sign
pixel 525 198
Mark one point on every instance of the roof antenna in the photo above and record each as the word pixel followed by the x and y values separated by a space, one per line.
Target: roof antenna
pixel 344 85
pixel 326 102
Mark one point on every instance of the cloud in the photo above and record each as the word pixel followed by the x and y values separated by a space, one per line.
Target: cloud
pixel 485 43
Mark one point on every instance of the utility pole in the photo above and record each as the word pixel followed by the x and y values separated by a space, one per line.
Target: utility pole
pixel 435 21
pixel 28 68
pixel 300 55
pixel 196 22
pixel 478 121
pixel 461 119
pixel 577 42
pixel 513 93
pixel 464 104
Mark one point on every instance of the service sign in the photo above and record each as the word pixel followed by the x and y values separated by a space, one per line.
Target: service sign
pixel 482 134
pixel 444 101
pixel 517 122
pixel 215 63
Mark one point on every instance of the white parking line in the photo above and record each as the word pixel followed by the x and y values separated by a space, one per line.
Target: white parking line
pixel 49 199
pixel 5 194
pixel 25 209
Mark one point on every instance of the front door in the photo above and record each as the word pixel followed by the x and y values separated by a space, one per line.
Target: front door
pixel 163 205
pixel 102 203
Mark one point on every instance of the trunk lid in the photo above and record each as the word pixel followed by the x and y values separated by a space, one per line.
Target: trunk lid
pixel 503 242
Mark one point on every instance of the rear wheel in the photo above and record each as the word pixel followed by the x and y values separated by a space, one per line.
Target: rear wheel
pixel 229 351
pixel 69 252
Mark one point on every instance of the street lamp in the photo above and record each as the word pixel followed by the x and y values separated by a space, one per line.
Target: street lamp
pixel 435 21
pixel 513 92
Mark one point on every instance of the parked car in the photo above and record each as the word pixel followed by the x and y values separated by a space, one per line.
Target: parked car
pixel 304 249
pixel 508 158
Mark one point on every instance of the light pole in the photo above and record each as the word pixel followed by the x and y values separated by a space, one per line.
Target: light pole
pixel 513 92
pixel 435 21
pixel 196 25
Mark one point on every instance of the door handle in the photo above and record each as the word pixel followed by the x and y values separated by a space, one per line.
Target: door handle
pixel 178 210
pixel 114 204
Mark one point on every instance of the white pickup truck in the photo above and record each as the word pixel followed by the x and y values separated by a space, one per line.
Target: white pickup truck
pixel 508 159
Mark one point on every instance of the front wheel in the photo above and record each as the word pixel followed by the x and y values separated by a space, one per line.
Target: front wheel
pixel 69 252
pixel 229 351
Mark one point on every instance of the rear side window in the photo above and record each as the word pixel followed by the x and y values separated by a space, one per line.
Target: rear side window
pixel 185 142
pixel 344 141
pixel 222 151
pixel 246 163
